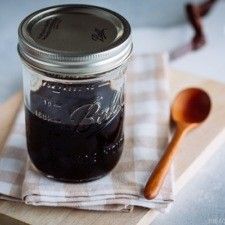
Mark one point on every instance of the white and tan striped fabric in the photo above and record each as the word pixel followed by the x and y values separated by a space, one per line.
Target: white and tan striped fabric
pixel 146 135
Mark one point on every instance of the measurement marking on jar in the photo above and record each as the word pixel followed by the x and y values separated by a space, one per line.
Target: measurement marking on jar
pixel 57 106
pixel 57 121
pixel 46 117
pixel 47 102
pixel 113 148
pixel 56 92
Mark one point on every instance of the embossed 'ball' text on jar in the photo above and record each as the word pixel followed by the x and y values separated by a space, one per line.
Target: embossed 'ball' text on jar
pixel 74 58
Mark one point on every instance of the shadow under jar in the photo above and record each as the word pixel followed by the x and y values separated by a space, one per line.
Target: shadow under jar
pixel 74 59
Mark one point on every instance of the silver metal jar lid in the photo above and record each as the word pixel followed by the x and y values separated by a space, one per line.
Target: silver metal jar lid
pixel 75 39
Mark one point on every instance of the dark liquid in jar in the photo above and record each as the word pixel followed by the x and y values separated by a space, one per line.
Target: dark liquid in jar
pixel 72 152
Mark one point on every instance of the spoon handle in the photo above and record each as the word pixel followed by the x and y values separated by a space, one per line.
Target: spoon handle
pixel 157 177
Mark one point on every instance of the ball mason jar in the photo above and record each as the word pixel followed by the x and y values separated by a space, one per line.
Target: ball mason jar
pixel 74 58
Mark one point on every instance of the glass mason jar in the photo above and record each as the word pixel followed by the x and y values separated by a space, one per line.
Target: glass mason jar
pixel 74 59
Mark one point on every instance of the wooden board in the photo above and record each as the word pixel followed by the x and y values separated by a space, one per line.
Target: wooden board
pixel 195 150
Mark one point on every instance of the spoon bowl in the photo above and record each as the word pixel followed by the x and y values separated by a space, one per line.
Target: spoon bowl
pixel 191 105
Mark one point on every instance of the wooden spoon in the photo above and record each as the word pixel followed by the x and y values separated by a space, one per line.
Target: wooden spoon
pixel 190 108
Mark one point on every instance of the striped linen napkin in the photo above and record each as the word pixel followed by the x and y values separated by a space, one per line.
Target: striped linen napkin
pixel 146 135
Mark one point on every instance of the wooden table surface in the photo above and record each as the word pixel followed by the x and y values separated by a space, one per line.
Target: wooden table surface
pixel 195 150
